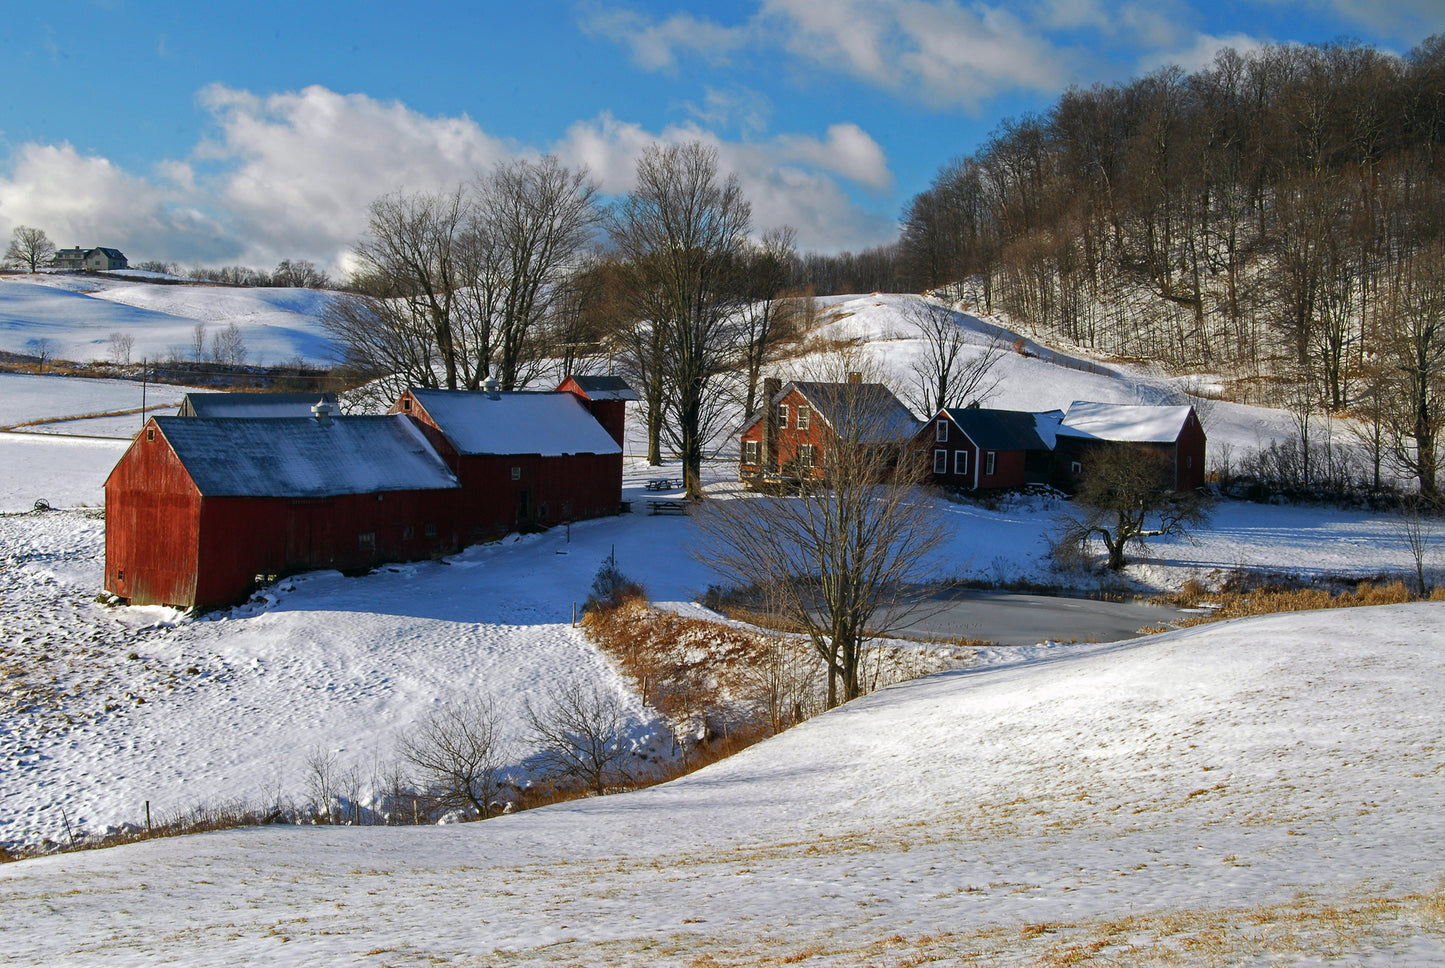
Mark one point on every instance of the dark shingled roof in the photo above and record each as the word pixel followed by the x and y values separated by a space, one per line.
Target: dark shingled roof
pixel 255 404
pixel 605 388
pixel 1006 429
pixel 840 403
pixel 303 457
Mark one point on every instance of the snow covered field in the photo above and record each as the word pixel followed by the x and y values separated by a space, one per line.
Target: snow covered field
pixel 1263 792
pixel 1236 794
pixel 77 314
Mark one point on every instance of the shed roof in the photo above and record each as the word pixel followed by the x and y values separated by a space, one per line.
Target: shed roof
pixel 840 404
pixel 548 424
pixel 255 404
pixel 1006 429
pixel 302 457
pixel 1124 422
pixel 604 387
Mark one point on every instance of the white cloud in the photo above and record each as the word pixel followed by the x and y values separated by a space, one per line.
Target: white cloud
pixel 299 169
pixel 87 201
pixel 790 180
pixel 656 45
pixel 1199 54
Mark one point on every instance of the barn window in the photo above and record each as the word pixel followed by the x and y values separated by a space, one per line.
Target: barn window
pixel 803 418
pixel 366 541
pixel 940 462
pixel 940 432
pixel 406 405
pixel 960 462
pixel 151 434
pixel 750 451
pixel 988 462
pixel 1076 468
pixel 408 532
pixel 516 473
pixel 430 531
pixel 807 455
pixel 782 416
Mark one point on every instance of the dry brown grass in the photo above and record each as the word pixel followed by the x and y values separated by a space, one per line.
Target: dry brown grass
pixel 1230 603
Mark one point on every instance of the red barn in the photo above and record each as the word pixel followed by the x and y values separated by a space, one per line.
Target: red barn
pixel 523 459
pixel 1174 432
pixel 788 438
pixel 606 398
pixel 199 509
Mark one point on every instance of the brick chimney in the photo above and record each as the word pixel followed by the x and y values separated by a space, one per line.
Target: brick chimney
pixel 769 448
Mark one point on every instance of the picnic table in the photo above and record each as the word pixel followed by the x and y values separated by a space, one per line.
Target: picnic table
pixel 667 507
pixel 665 484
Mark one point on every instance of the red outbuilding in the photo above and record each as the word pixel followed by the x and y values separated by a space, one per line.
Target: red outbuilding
pixel 523 459
pixel 1174 432
pixel 199 510
pixel 606 397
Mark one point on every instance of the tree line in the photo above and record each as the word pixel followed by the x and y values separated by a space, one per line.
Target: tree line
pixel 1278 216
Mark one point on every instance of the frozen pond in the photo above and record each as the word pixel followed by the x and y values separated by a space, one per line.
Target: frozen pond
pixel 1009 618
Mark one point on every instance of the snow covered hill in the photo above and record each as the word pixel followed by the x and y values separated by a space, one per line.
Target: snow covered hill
pixel 76 315
pixel 1245 793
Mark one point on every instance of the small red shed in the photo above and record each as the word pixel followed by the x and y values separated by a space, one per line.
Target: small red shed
pixel 606 398
pixel 198 509
pixel 523 459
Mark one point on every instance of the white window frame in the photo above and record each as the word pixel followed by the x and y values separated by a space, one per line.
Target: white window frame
pixel 782 416
pixel 807 455
pixel 990 463
pixel 802 421
pixel 960 462
pixel 940 462
pixel 940 432
pixel 752 451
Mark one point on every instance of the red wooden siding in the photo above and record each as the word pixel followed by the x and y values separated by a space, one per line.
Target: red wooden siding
pixel 152 511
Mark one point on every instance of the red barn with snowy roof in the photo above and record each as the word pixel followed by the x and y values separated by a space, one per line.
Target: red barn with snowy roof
pixel 523 459
pixel 198 509
pixel 1174 432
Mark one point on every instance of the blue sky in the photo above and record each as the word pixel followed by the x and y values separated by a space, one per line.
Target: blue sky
pixel 262 131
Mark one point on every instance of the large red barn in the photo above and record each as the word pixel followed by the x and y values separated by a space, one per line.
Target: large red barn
pixel 198 509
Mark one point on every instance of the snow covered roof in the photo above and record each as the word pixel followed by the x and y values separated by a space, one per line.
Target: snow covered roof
pixel 1124 422
pixel 604 387
pixel 839 403
pixel 255 404
pixel 548 424
pixel 1006 429
pixel 302 457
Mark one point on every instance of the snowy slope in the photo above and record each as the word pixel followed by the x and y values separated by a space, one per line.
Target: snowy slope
pixel 1203 798
pixel 78 314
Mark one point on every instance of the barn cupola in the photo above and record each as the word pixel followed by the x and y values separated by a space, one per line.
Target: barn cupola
pixel 321 410
pixel 493 388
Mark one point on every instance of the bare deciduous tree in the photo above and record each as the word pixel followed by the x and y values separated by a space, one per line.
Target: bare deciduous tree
pixel 580 733
pixel 29 247
pixel 1126 496
pixel 459 756
pixel 121 345
pixel 681 234
pixel 951 372
pixel 41 348
pixel 228 347
pixel 840 559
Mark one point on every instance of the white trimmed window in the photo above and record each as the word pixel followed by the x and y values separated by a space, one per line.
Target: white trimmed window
pixel 960 461
pixel 940 462
pixel 940 432
pixel 782 416
pixel 989 460
pixel 750 451
pixel 803 418
pixel 807 455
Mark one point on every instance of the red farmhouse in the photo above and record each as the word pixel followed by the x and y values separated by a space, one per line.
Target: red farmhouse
pixel 523 459
pixel 199 508
pixel 789 437
pixel 974 448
